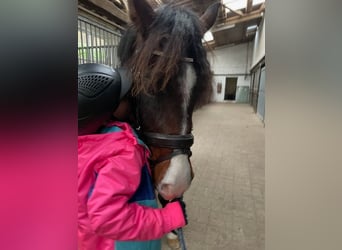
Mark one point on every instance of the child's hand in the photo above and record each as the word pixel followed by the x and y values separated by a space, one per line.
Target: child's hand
pixel 183 205
pixel 164 202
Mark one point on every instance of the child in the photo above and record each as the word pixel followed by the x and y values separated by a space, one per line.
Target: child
pixel 117 208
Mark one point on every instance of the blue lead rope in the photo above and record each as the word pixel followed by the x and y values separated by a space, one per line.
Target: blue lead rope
pixel 181 238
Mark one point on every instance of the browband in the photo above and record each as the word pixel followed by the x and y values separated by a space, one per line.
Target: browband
pixel 184 59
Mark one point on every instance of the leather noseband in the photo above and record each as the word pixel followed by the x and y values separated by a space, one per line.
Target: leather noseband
pixel 180 144
pixel 168 141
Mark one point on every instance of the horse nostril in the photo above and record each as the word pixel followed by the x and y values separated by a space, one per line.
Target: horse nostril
pixel 165 187
pixel 166 191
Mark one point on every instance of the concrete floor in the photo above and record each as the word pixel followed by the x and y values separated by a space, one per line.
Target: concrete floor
pixel 225 203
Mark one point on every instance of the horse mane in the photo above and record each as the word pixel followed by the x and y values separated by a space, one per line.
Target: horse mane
pixel 177 32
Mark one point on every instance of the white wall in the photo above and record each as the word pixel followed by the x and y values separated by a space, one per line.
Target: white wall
pixel 259 44
pixel 230 61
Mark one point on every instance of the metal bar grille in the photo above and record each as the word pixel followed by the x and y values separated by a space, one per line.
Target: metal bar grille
pixel 97 43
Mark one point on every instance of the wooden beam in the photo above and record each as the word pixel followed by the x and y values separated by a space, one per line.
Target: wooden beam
pixel 82 9
pixel 238 12
pixel 111 8
pixel 249 6
pixel 237 19
pixel 262 6
pixel 182 2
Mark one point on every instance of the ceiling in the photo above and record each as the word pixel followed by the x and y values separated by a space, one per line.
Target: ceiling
pixel 237 25
pixel 235 16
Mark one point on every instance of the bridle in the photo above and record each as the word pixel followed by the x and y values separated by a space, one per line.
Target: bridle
pixel 184 59
pixel 179 144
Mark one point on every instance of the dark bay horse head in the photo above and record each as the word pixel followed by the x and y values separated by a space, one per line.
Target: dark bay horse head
pixel 171 78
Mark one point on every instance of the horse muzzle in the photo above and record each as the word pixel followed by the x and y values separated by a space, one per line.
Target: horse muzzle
pixel 177 177
pixel 171 169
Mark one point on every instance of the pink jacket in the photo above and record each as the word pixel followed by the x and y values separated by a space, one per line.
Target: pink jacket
pixel 109 170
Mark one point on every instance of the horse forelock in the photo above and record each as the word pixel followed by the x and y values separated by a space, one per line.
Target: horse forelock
pixel 177 33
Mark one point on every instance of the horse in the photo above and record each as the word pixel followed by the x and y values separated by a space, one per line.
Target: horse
pixel 171 79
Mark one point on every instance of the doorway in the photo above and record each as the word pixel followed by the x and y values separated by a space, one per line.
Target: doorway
pixel 230 90
pixel 261 95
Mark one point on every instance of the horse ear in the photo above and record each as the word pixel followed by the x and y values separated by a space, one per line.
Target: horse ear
pixel 209 17
pixel 141 13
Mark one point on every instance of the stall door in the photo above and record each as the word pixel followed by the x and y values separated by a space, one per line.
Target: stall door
pixel 261 95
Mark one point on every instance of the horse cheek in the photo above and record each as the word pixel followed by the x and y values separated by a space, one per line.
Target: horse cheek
pixel 159 172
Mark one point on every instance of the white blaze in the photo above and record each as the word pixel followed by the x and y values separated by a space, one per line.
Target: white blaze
pixel 189 80
pixel 177 178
